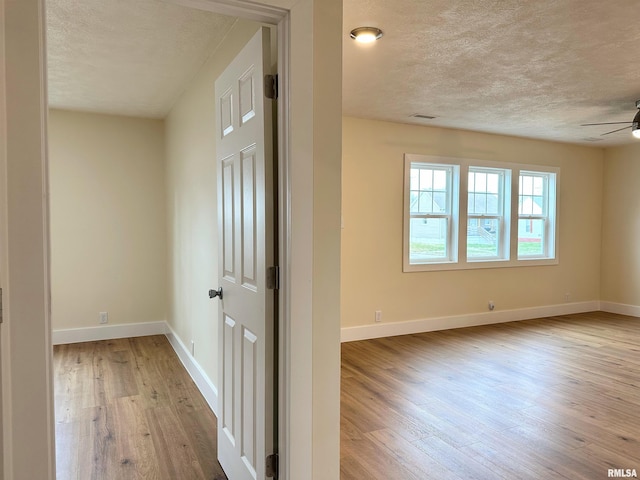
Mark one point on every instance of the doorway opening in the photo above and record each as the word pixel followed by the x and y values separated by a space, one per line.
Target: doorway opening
pixel 108 198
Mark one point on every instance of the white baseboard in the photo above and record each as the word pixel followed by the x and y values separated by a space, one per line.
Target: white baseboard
pixel 201 379
pixel 365 332
pixel 620 308
pixel 108 332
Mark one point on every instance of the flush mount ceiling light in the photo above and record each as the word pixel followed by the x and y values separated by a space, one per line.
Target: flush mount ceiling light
pixel 366 34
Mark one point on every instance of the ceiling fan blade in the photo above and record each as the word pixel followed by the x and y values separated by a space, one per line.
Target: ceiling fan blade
pixel 618 130
pixel 607 123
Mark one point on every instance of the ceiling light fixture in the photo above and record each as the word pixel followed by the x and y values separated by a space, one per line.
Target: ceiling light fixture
pixel 366 34
pixel 635 126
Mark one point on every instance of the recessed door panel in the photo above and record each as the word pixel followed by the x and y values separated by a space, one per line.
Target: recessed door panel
pixel 226 112
pixel 249 382
pixel 247 96
pixel 228 380
pixel 249 258
pixel 228 218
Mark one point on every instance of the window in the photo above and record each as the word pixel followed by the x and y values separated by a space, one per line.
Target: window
pixel 487 228
pixel 459 214
pixel 431 208
pixel 536 215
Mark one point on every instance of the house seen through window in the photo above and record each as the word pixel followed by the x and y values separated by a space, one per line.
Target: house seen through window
pixel 459 214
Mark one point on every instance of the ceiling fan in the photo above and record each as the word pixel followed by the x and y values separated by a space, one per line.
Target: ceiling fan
pixel 635 124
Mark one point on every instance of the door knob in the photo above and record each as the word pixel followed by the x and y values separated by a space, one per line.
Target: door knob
pixel 216 293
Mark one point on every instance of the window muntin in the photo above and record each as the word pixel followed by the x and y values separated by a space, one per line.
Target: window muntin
pixel 536 215
pixel 487 233
pixel 516 200
pixel 431 213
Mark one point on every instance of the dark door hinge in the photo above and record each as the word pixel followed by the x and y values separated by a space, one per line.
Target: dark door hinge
pixel 272 466
pixel 271 86
pixel 273 278
pixel 0 305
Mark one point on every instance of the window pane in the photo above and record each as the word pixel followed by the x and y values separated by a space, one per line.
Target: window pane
pixel 481 182
pixel 538 206
pixel 493 183
pixel 494 207
pixel 520 185
pixel 426 202
pixel 529 205
pixel 439 180
pixel 426 176
pixel 479 205
pixel 471 203
pixel 440 202
pixel 482 237
pixel 538 186
pixel 531 235
pixel 527 185
pixel 414 179
pixel 427 239
pixel 414 202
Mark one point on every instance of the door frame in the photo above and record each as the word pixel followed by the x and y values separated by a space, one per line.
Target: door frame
pixel 309 160
pixel 281 19
pixel 4 343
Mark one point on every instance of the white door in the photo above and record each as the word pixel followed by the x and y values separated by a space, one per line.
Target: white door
pixel 244 158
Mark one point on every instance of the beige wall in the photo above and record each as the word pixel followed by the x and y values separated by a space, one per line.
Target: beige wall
pixel 372 277
pixel 621 227
pixel 108 233
pixel 192 206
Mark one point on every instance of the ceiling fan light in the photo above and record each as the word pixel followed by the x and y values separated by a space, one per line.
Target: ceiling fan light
pixel 635 126
pixel 366 34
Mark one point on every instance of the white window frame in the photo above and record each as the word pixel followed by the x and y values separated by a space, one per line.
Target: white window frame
pixel 450 215
pixel 548 214
pixel 457 242
pixel 503 216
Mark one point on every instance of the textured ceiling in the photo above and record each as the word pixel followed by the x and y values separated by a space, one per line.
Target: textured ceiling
pixel 126 57
pixel 527 68
pixel 518 67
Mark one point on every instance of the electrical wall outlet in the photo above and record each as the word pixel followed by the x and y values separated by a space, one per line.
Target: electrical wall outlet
pixel 491 305
pixel 378 315
pixel 103 318
pixel 193 348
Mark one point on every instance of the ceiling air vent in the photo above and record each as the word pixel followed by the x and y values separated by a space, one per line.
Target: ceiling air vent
pixel 592 139
pixel 423 117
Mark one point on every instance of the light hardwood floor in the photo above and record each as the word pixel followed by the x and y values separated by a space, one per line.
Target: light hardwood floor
pixel 127 409
pixel 555 398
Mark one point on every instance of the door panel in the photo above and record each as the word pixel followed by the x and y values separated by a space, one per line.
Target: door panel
pixel 228 237
pixel 249 192
pixel 245 219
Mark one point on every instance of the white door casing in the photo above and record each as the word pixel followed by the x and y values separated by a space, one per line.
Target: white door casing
pixel 244 157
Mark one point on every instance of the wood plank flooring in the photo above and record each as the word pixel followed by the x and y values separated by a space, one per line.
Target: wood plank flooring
pixel 555 398
pixel 127 409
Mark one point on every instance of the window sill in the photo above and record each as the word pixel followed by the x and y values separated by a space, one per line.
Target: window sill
pixel 478 265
